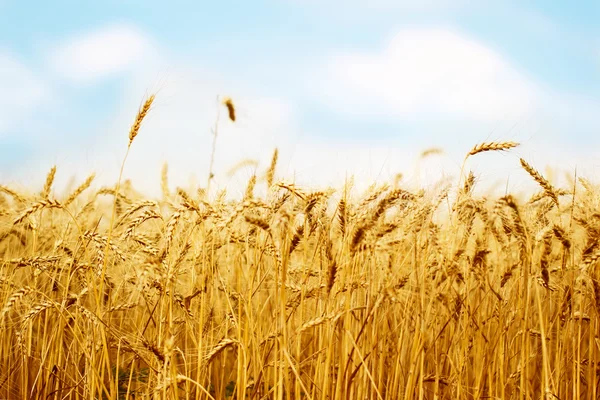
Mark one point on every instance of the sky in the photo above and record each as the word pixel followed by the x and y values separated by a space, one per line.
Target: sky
pixel 341 88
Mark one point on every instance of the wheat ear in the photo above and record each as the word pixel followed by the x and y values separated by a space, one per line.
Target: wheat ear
pixel 548 188
pixel 491 146
pixel 135 128
pixel 49 182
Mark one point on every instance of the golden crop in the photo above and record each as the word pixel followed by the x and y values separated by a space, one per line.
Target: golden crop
pixel 300 294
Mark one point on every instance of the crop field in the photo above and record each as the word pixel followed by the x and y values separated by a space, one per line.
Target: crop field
pixel 297 293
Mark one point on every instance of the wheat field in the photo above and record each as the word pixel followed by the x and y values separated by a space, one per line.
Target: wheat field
pixel 300 294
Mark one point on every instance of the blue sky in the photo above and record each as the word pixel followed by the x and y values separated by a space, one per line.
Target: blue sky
pixel 341 87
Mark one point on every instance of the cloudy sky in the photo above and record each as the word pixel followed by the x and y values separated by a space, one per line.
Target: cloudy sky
pixel 340 87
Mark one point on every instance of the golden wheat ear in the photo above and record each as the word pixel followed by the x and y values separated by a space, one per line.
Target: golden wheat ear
pixel 135 128
pixel 271 171
pixel 485 146
pixel 227 102
pixel 544 184
pixel 491 146
pixel 431 152
pixel 49 181
pixel 86 184
pixel 164 181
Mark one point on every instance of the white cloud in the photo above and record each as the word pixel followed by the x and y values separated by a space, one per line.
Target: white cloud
pixel 421 75
pixel 429 73
pixel 112 50
pixel 21 91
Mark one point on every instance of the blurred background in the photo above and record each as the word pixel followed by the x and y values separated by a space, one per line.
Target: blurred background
pixel 342 88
